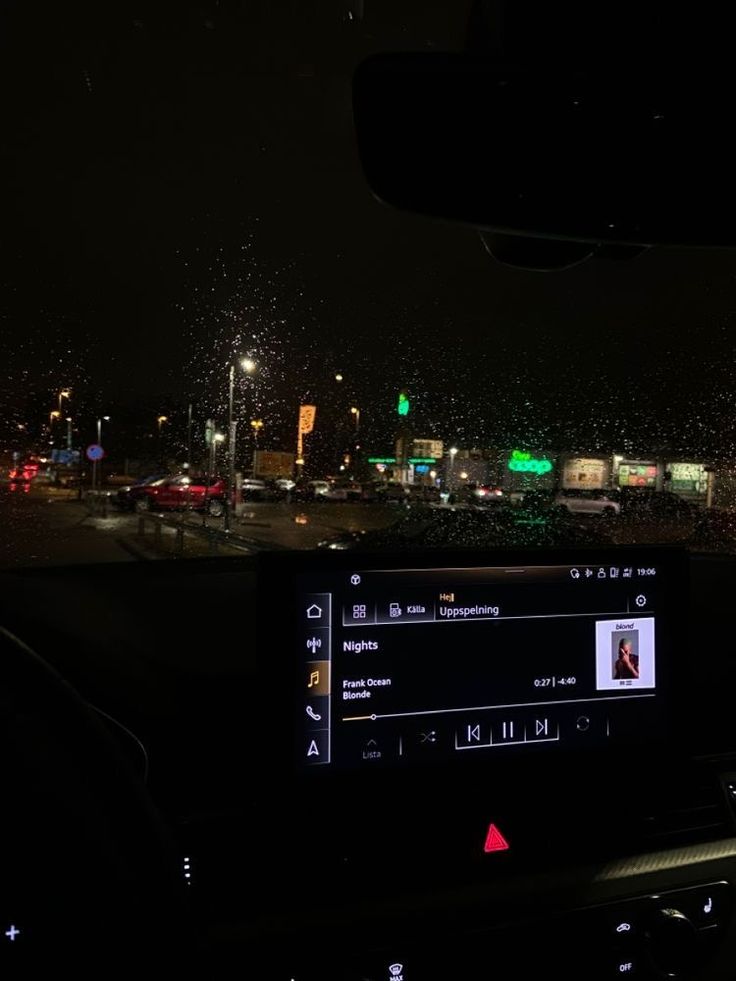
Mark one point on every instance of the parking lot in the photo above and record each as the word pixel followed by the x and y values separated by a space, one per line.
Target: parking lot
pixel 43 525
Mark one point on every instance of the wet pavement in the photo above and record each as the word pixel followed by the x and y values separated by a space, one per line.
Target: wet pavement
pixel 45 526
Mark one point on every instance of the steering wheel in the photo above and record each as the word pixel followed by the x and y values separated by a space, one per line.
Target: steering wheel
pixel 89 879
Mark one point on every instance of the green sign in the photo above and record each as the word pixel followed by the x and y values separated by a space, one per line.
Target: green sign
pixel 522 462
pixel 403 405
pixel 392 459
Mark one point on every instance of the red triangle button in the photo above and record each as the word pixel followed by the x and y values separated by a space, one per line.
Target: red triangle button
pixel 495 841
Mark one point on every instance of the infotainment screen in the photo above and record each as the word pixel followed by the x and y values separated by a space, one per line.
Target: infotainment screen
pixel 400 665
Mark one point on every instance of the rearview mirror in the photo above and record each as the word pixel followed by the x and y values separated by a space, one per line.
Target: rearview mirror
pixel 636 160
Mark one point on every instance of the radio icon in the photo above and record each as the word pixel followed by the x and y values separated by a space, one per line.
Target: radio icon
pixel 314 644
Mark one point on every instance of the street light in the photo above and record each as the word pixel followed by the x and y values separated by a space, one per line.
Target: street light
pixel 355 411
pixel 338 377
pixel 55 414
pixel 65 393
pixel 216 439
pixel 453 454
pixel 257 425
pixel 161 420
pixel 249 366
pixel 99 443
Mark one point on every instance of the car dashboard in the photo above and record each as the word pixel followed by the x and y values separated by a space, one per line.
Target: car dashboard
pixel 394 768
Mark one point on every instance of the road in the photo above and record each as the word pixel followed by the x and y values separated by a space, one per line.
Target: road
pixel 45 526
pixel 39 528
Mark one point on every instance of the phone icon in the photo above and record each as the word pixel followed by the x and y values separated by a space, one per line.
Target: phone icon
pixel 315 716
pixel 708 907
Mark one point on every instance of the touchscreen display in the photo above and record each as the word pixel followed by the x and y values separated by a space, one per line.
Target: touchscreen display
pixel 400 665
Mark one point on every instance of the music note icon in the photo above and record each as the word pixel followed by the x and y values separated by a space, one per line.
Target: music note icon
pixel 313 679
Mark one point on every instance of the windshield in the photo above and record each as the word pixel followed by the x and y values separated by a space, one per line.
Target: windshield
pixel 197 281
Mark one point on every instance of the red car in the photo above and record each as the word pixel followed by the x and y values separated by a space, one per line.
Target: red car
pixel 24 473
pixel 181 493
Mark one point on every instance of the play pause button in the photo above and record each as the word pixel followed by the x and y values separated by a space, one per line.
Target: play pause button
pixel 508 731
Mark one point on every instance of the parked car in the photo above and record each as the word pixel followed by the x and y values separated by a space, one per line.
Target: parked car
pixel 477 494
pixel 181 493
pixel 253 489
pixel 594 502
pixel 347 490
pixel 284 484
pixel 126 496
pixel 467 526
pixel 392 490
pixel 72 479
pixel 486 492
pixel 24 473
pixel 118 480
pixel 655 516
pixel 310 490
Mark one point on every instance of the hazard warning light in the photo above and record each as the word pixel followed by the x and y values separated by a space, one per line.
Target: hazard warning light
pixel 495 841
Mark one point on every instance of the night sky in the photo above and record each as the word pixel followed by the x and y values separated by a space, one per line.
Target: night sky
pixel 181 185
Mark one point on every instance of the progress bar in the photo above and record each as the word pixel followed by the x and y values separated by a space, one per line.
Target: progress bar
pixel 488 708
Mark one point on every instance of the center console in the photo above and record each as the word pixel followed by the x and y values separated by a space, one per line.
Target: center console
pixel 408 667
pixel 482 751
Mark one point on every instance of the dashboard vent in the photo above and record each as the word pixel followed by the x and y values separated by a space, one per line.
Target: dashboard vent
pixel 689 807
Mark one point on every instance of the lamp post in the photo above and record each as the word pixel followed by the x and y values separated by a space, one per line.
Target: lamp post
pixel 451 480
pixel 216 438
pixel 189 438
pixel 100 420
pixel 257 425
pixel 249 366
pixel 230 446
pixel 355 411
pixel 160 422
pixel 65 393
pixel 69 433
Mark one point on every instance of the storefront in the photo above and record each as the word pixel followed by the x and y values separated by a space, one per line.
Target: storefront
pixel 689 480
pixel 586 473
pixel 528 469
pixel 637 473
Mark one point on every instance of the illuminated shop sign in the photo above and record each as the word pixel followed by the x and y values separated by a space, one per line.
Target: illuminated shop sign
pixel 521 462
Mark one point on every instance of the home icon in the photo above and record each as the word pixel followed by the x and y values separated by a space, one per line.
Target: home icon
pixel 314 612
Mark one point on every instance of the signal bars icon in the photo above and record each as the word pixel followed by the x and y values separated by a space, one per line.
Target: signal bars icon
pixel 314 644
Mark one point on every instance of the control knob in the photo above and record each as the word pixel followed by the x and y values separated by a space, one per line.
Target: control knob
pixel 672 942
